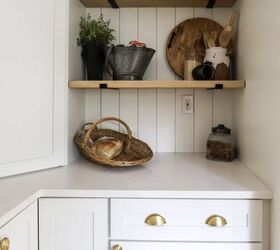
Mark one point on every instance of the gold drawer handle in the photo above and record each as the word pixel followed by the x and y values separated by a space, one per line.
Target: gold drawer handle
pixel 5 244
pixel 116 247
pixel 216 221
pixel 155 220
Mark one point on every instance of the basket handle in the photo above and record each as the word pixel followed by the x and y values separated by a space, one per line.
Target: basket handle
pixel 94 126
pixel 84 126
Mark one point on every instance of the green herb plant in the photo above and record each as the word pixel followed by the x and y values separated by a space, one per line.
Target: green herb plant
pixel 97 32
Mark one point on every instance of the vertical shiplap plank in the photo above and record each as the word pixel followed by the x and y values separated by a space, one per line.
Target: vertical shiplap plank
pixel 114 16
pixel 165 24
pixel 129 109
pixel 110 99
pixel 222 15
pixel 92 108
pixel 110 107
pixel 203 117
pixel 147 109
pixel 166 120
pixel 147 25
pixel 203 12
pixel 129 98
pixel 128 25
pixel 183 14
pixel 147 117
pixel 222 99
pixel 222 107
pixel 93 105
pixel 94 12
pixel 184 122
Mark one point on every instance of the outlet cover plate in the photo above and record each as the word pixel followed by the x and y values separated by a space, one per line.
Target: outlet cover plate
pixel 187 104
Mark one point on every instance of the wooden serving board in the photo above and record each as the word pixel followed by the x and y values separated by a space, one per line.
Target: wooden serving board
pixel 186 35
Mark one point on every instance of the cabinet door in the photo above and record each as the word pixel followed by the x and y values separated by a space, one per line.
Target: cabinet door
pixel 22 231
pixel 33 49
pixel 71 224
pixel 184 246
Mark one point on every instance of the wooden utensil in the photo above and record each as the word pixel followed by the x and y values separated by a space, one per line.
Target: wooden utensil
pixel 205 42
pixel 226 33
pixel 207 38
pixel 213 36
pixel 181 44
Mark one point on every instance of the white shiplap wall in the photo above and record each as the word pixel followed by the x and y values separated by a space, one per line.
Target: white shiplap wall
pixel 155 115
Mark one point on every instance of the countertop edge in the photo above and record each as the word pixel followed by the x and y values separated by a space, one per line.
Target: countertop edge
pixel 64 193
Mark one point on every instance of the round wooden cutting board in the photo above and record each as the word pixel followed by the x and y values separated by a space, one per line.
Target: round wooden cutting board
pixel 186 35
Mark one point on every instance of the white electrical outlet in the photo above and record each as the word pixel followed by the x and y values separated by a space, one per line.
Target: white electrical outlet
pixel 187 102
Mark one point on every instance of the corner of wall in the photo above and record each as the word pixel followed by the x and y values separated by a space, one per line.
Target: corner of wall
pixel 256 116
pixel 76 98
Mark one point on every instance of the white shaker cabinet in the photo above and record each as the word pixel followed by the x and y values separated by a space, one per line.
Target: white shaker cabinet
pixel 22 230
pixel 150 224
pixel 71 224
pixel 33 69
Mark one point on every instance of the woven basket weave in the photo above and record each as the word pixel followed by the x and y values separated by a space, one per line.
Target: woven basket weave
pixel 135 152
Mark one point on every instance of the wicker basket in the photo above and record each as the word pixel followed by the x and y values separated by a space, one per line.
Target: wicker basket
pixel 135 152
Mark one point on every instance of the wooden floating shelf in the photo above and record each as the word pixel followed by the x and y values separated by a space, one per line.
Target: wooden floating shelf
pixel 239 84
pixel 157 3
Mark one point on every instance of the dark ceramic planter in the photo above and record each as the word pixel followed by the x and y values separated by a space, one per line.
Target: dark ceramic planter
pixel 94 58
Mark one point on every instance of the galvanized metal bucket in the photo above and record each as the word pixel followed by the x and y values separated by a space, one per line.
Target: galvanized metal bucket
pixel 128 63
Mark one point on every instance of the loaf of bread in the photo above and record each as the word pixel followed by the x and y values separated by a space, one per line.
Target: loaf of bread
pixel 107 147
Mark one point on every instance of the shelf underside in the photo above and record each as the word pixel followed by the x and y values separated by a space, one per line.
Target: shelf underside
pixel 157 84
pixel 157 3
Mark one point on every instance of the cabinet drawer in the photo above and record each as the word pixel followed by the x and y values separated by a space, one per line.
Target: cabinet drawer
pixel 183 246
pixel 186 220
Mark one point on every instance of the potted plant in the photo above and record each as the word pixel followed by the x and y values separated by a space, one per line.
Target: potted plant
pixel 94 37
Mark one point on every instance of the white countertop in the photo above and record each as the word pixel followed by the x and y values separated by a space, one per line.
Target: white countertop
pixel 167 175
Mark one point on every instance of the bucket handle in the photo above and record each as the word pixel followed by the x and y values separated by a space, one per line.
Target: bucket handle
pixel 107 60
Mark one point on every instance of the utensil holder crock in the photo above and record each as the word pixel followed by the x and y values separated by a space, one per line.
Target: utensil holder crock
pixel 220 61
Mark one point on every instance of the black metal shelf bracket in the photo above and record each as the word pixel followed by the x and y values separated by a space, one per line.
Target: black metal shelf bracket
pixel 113 4
pixel 211 4
pixel 105 86
pixel 217 86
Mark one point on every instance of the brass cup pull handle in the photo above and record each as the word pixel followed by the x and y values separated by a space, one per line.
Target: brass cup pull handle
pixel 5 244
pixel 117 247
pixel 216 221
pixel 155 220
